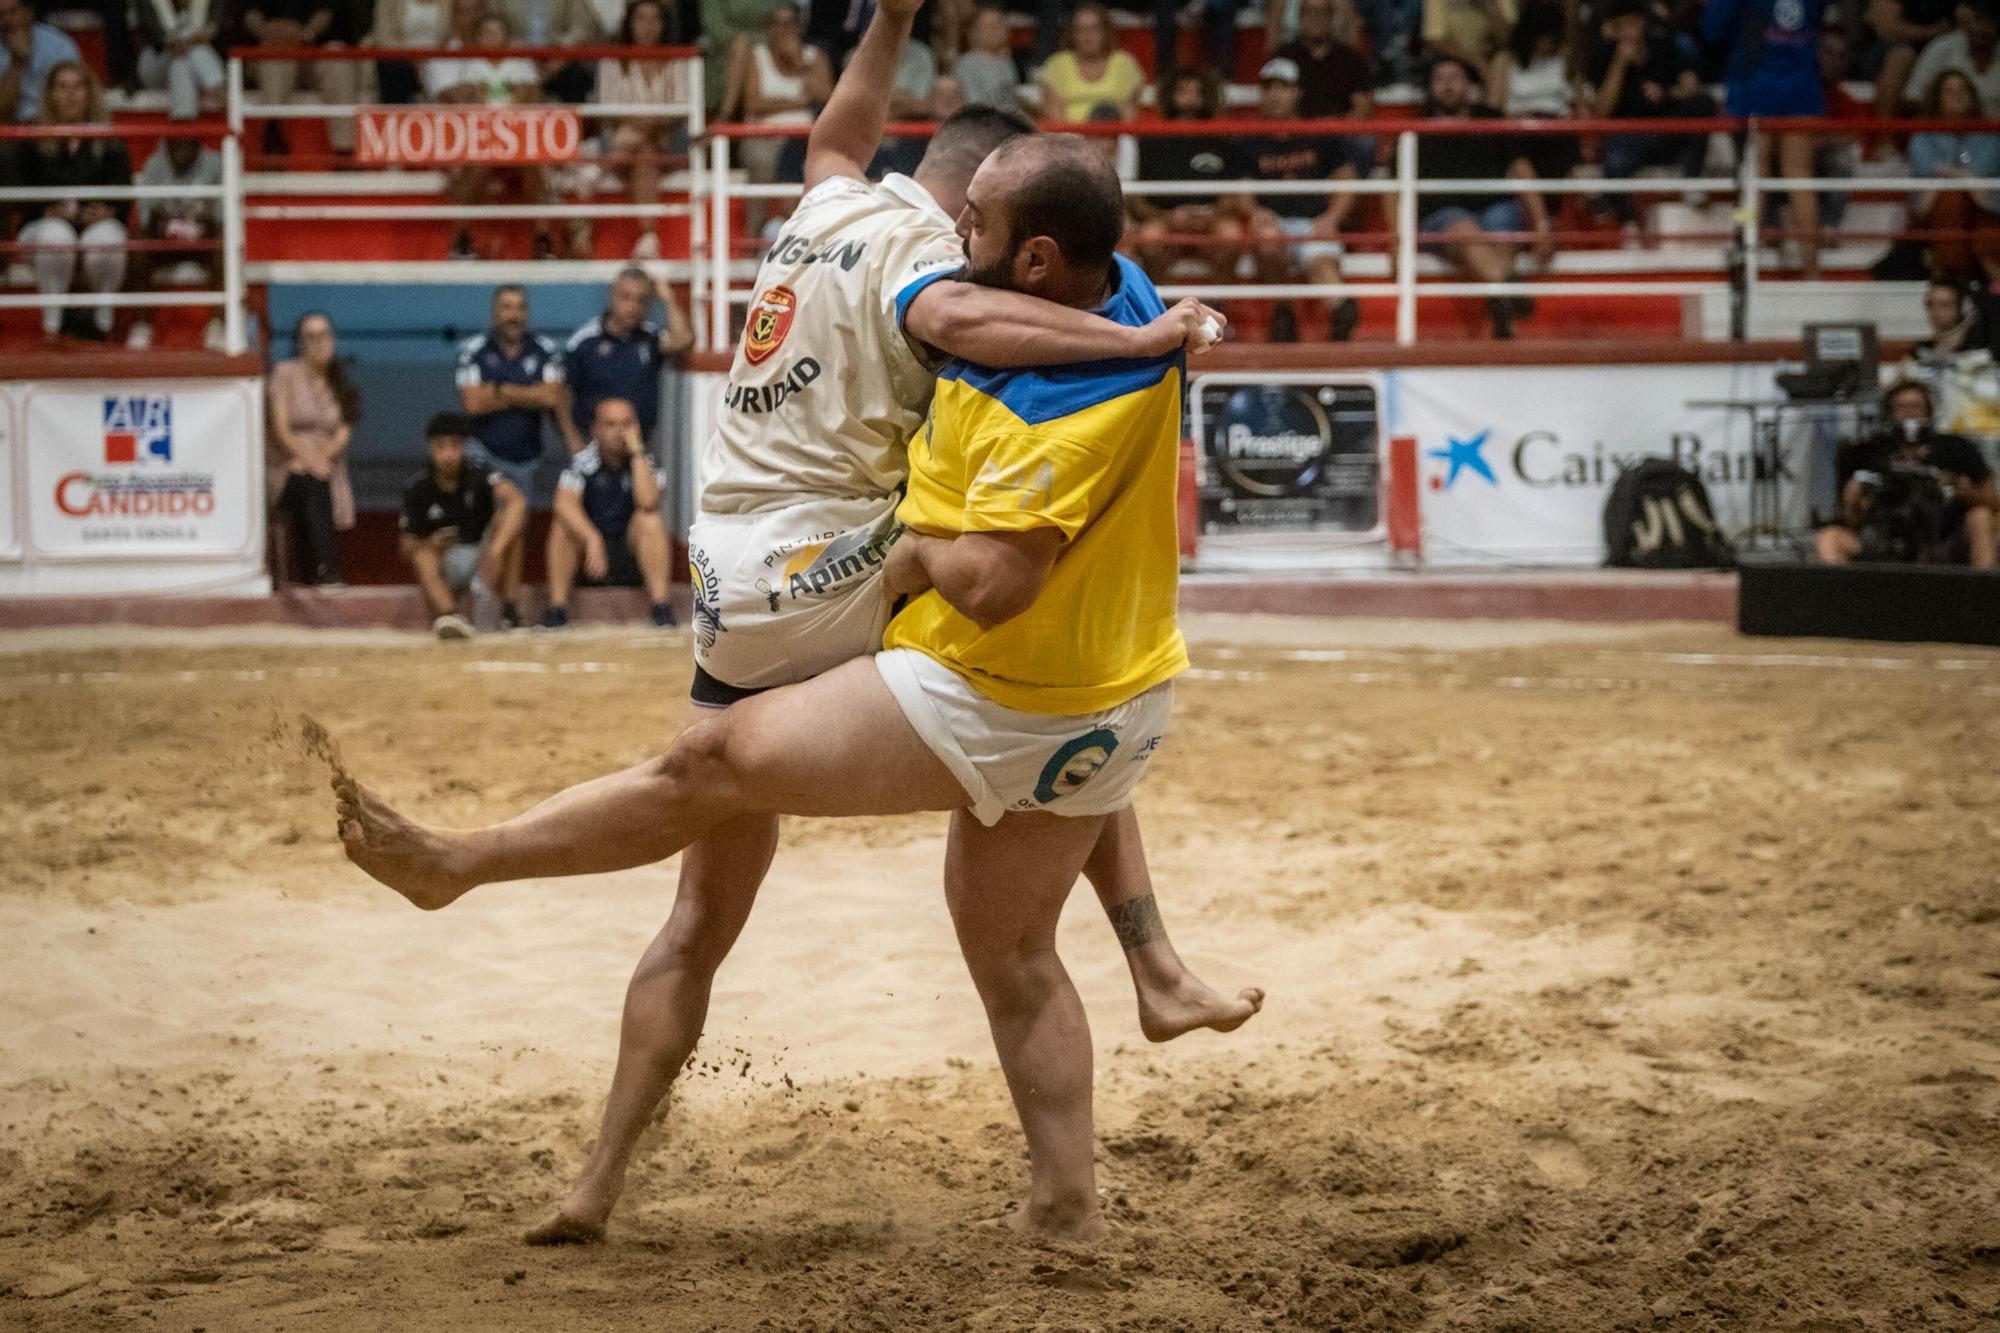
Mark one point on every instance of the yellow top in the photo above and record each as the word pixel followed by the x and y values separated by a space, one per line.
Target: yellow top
pixel 1092 450
pixel 1120 82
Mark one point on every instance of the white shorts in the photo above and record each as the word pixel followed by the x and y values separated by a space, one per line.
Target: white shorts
pixel 783 595
pixel 1086 764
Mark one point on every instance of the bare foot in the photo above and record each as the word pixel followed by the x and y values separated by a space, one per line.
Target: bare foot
pixel 563 1229
pixel 415 861
pixel 1049 1223
pixel 1164 1015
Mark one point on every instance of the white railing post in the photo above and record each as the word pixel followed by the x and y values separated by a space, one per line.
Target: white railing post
pixel 1752 202
pixel 236 96
pixel 1406 238
pixel 233 339
pixel 698 184
pixel 718 292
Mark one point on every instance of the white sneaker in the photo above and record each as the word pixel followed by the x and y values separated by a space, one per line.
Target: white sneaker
pixel 450 626
pixel 214 336
pixel 141 336
pixel 648 246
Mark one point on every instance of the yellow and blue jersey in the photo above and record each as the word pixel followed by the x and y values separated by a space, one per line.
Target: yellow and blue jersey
pixel 1092 450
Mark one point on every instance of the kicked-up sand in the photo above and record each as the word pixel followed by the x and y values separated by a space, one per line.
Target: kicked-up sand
pixel 1618 979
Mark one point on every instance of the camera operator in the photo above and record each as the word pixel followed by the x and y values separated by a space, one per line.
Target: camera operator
pixel 1912 494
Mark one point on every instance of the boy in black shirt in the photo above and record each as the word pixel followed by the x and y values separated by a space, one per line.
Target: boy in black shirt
pixel 455 520
pixel 1913 494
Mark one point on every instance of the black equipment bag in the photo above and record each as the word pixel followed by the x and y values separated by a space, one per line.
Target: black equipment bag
pixel 1658 517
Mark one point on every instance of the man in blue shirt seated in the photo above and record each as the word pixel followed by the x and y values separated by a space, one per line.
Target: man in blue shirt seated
pixel 508 380
pixel 28 51
pixel 618 354
pixel 458 519
pixel 608 518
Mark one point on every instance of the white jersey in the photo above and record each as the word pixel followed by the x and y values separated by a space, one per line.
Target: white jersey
pixel 825 391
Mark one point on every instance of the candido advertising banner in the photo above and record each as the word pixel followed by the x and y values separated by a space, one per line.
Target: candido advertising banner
pixel 455 135
pixel 117 473
pixel 1515 462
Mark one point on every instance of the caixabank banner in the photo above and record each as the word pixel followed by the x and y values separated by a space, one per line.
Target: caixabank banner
pixel 1515 463
pixel 117 472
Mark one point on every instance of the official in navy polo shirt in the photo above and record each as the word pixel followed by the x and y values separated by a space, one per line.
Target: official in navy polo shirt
pixel 508 380
pixel 618 354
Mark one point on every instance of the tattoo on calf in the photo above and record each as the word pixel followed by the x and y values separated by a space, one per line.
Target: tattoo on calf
pixel 1138 922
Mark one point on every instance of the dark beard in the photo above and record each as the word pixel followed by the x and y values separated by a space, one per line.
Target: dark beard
pixel 999 274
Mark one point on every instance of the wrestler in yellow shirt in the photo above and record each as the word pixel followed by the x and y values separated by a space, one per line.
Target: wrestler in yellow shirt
pixel 1093 451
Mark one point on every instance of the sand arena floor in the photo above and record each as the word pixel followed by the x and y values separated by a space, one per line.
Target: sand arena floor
pixel 1618 980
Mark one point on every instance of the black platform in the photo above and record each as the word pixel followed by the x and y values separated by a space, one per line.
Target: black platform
pixel 1905 603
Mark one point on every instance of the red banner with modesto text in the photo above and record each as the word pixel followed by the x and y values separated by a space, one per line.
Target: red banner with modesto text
pixel 466 135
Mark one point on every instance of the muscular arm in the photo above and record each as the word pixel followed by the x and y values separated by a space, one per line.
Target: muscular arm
pixel 849 130
pixel 994 327
pixel 988 577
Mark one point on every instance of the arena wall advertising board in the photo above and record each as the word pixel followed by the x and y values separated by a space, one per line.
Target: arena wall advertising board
pixel 10 530
pixel 155 472
pixel 1515 462
pixel 457 135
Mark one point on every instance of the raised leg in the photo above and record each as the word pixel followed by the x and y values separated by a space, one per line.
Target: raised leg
pixel 666 1005
pixel 835 745
pixel 1005 886
pixel 1172 999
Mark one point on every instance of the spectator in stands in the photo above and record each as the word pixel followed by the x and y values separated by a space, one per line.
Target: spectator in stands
pixel 56 230
pixel 558 23
pixel 641 142
pixel 618 354
pixel 183 163
pixel 1090 71
pixel 296 23
pixel 479 80
pixel 459 522
pixel 1957 362
pixel 608 518
pixel 29 53
pixel 1395 38
pixel 1471 30
pixel 1834 154
pixel 114 21
pixel 180 55
pixel 725 25
pixel 776 81
pixel 1637 71
pixel 1334 78
pixel 1773 70
pixel 1971 216
pixel 1911 493
pixel 987 70
pixel 1460 222
pixel 313 406
pixel 1903 28
pixel 1297 234
pixel 1530 80
pixel 1972 48
pixel 406 23
pixel 1218 24
pixel 1205 240
pixel 509 379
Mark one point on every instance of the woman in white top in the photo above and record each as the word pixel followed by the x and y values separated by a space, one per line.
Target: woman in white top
pixel 642 83
pixel 481 81
pixel 1529 79
pixel 782 80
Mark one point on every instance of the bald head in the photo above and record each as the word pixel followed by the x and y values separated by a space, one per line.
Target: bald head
pixel 1058 187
